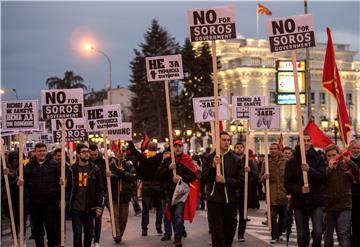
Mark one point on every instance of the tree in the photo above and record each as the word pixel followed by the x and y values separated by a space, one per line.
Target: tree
pixel 148 104
pixel 197 83
pixel 70 80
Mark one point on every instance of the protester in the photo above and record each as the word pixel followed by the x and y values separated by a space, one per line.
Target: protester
pixel 253 179
pixel 287 154
pixel 354 148
pixel 223 198
pixel 85 193
pixel 340 174
pixel 186 172
pixel 278 198
pixel 96 158
pixel 307 202
pixel 151 191
pixel 42 177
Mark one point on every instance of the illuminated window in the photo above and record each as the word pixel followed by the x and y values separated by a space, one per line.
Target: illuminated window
pixel 312 98
pixel 349 99
pixel 322 98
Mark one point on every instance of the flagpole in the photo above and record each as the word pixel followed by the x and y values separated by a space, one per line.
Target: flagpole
pixel 257 21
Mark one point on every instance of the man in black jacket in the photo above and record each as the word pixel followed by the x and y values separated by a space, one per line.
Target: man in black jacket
pixel 100 162
pixel 340 174
pixel 307 202
pixel 86 196
pixel 223 193
pixel 42 177
pixel 354 148
pixel 253 180
pixel 151 190
pixel 186 172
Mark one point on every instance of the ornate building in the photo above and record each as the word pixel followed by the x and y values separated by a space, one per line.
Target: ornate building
pixel 248 68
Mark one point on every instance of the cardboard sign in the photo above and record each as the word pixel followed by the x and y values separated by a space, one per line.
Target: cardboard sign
pixel 100 118
pixel 46 138
pixel 265 118
pixel 75 130
pixel 216 23
pixel 124 133
pixel 164 68
pixel 241 105
pixel 20 115
pixel 62 104
pixel 204 109
pixel 291 33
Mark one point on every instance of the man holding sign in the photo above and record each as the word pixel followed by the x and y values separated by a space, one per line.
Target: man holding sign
pixel 223 198
pixel 307 202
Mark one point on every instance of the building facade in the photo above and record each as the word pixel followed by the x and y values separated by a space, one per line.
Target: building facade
pixel 248 69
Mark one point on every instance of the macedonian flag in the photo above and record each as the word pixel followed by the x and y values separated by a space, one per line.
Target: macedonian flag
pixel 332 84
pixel 263 10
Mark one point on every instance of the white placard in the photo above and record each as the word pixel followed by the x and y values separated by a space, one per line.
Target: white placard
pixel 164 68
pixel 265 118
pixel 124 133
pixel 62 103
pixel 46 138
pixel 204 109
pixel 20 115
pixel 216 23
pixel 241 105
pixel 100 118
pixel 75 130
pixel 291 33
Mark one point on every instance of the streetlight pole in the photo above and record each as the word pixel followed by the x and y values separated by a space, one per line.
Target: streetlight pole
pixel 15 92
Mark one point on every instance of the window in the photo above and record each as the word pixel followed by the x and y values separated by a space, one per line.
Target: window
pixel 349 99
pixel 322 98
pixel 272 97
pixel 312 98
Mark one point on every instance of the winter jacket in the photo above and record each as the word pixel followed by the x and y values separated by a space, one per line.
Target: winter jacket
pixel 100 162
pixel 147 166
pixel 94 190
pixel 121 181
pixel 316 177
pixel 232 171
pixel 355 187
pixel 337 189
pixel 43 181
pixel 276 180
pixel 165 175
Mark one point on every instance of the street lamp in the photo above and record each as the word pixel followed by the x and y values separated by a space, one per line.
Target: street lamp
pixel 237 129
pixel 15 92
pixel 90 47
pixel 334 127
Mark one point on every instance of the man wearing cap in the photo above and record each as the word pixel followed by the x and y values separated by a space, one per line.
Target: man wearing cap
pixel 223 193
pixel 186 172
pixel 151 190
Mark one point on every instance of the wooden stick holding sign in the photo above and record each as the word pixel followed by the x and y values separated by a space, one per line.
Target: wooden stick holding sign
pixel 212 128
pixel 170 124
pixel 267 184
pixel 246 183
pixel 108 180
pixel 8 194
pixel 216 104
pixel 63 185
pixel 21 189
pixel 299 117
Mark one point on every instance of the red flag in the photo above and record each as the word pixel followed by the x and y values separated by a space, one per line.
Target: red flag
pixel 221 127
pixel 332 84
pixel 145 142
pixel 281 142
pixel 261 9
pixel 192 201
pixel 318 138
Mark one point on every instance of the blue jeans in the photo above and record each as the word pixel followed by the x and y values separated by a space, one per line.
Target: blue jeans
pixel 302 217
pixel 82 220
pixel 341 221
pixel 177 218
pixel 167 223
pixel 147 203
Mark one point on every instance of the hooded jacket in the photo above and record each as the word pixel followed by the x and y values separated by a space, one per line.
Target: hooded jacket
pixel 231 169
pixel 316 176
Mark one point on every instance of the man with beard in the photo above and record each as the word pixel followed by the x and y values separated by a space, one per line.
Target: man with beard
pixel 252 187
pixel 185 172
pixel 86 196
pixel 307 202
pixel 223 194
pixel 354 148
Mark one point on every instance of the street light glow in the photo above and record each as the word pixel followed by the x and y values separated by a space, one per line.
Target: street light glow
pixel 88 46
pixel 2 91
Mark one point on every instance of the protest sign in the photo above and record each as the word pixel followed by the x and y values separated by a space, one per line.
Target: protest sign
pixel 124 133
pixel 204 109
pixel 241 105
pixel 164 68
pixel 75 130
pixel 103 118
pixel 265 118
pixel 20 115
